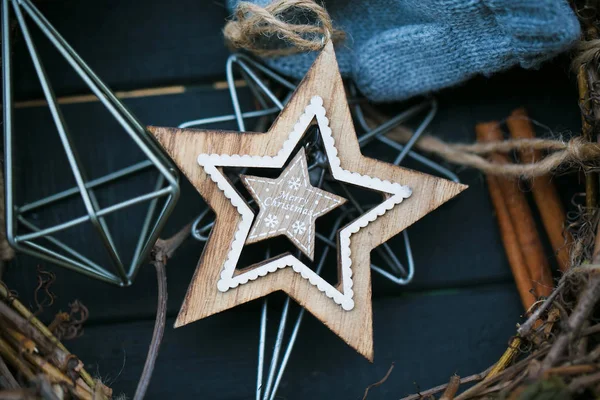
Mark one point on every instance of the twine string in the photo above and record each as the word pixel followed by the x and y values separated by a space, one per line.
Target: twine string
pixel 300 25
pixel 574 152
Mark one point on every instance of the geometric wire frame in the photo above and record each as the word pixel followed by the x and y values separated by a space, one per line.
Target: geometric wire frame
pixel 166 186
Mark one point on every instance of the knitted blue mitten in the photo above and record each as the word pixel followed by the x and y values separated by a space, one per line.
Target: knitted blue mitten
pixel 396 49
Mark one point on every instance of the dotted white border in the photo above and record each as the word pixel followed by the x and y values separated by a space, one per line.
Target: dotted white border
pixel 210 162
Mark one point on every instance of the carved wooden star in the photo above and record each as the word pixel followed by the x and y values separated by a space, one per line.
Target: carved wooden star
pixel 289 205
pixel 346 307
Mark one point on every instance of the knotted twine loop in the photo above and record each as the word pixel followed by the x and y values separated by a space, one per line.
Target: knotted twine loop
pixel 302 25
pixel 575 152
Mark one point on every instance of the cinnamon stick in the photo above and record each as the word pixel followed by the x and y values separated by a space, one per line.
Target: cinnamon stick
pixel 544 192
pixel 503 194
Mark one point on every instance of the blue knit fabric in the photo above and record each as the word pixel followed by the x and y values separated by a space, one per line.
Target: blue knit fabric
pixel 396 49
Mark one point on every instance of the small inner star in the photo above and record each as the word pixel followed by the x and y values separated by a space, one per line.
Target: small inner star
pixel 293 206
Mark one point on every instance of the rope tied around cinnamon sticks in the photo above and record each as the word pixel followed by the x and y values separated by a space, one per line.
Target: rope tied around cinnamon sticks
pixel 574 152
pixel 300 25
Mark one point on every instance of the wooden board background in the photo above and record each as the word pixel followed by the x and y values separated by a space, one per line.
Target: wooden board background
pixel 426 331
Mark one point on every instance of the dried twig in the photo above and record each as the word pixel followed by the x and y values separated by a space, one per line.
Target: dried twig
pixel 579 384
pixel 163 250
pixel 52 373
pixel 170 245
pixel 61 358
pixel 45 281
pixel 379 382
pixel 18 394
pixel 452 388
pixel 20 341
pixel 12 358
pixel 101 391
pixel 58 320
pixel 32 319
pixel 70 325
pixel 2 268
pixel 44 388
pixel 507 357
pixel 525 328
pixel 7 379
pixel 587 300
pixel 159 263
pixel 437 389
pixel 508 373
pixel 591 330
pixel 570 370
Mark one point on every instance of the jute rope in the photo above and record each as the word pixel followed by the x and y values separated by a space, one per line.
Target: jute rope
pixel 588 50
pixel 301 25
pixel 575 152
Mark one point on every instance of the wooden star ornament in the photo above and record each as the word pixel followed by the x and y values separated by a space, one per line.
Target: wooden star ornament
pixel 289 205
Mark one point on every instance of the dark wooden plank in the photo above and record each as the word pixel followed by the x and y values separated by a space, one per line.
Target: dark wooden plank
pixel 428 337
pixel 456 246
pixel 428 334
pixel 128 44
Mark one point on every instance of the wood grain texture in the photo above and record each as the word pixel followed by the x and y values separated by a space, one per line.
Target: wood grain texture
pixel 184 145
